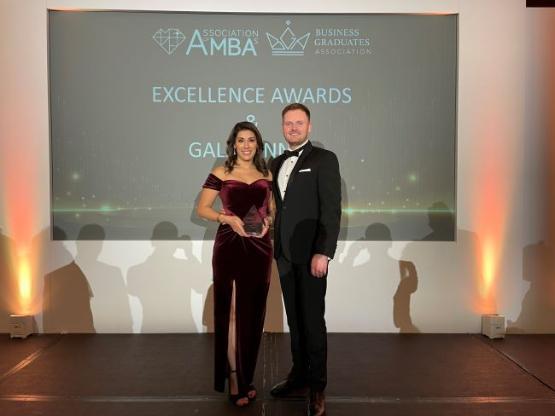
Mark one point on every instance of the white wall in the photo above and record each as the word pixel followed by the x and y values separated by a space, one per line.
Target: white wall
pixel 445 291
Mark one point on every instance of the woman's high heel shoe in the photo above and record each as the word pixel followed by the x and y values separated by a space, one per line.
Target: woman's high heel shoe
pixel 251 392
pixel 235 398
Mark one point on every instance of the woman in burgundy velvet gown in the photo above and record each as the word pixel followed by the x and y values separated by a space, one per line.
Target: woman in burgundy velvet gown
pixel 242 258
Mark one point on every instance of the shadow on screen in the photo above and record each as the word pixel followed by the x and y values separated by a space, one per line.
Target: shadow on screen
pixel 398 278
pixel 163 282
pixel 537 313
pixel 66 294
pixel 109 294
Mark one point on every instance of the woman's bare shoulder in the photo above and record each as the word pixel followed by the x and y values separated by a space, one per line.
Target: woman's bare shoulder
pixel 219 172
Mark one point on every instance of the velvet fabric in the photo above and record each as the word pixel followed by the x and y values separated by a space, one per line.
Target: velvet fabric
pixel 247 262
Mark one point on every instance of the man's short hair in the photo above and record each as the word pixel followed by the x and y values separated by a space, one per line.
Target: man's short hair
pixel 296 106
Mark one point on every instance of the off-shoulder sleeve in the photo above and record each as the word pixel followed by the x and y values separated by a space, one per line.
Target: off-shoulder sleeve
pixel 213 182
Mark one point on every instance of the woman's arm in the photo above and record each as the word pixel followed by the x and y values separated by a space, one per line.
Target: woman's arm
pixel 207 198
pixel 205 203
pixel 205 210
pixel 272 208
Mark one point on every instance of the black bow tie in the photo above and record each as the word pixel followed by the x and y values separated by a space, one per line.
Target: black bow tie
pixel 291 153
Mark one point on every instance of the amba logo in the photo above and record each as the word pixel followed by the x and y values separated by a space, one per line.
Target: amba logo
pixel 170 39
pixel 226 46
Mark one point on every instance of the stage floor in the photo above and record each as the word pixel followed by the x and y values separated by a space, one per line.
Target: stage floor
pixel 369 374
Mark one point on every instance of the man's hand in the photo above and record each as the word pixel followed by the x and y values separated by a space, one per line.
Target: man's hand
pixel 319 265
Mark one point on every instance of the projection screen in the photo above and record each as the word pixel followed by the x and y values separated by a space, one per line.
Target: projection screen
pixel 141 104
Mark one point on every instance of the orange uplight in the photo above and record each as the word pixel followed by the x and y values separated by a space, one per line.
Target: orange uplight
pixel 23 298
pixel 488 278
pixel 25 284
pixel 19 188
pixel 491 206
pixel 20 223
pixel 488 269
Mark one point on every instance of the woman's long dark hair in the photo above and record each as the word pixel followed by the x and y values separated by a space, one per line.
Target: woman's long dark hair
pixel 258 159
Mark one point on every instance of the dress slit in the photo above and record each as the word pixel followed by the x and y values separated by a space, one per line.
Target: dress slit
pixel 232 338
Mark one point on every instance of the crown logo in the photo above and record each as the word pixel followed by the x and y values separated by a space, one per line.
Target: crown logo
pixel 169 39
pixel 288 44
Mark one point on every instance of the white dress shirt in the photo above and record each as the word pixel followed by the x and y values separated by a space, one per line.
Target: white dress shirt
pixel 286 169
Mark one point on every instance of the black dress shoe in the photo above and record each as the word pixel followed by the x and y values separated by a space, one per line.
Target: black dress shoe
pixel 289 388
pixel 317 404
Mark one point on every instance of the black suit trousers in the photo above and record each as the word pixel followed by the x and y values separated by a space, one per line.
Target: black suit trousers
pixel 303 296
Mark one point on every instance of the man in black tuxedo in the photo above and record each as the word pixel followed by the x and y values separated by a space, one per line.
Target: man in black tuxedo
pixel 307 190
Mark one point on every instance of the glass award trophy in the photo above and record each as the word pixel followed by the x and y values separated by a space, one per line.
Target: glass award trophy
pixel 253 222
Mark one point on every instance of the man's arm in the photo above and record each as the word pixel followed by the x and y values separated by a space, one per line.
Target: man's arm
pixel 329 194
